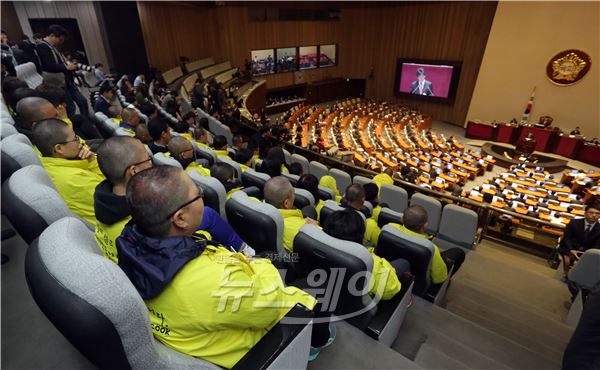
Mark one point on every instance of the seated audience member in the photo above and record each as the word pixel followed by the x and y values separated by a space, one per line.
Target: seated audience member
pixel 114 113
pixel 274 162
pixel 31 111
pixel 415 223
pixel 200 136
pixel 226 176
pixel 142 133
pixel 408 175
pixel 190 118
pixel 310 183
pixel 183 129
pixel 349 225
pixel 130 120
pixel 190 280
pixel 372 196
pixel 330 183
pixel 149 110
pixel 58 97
pixel 355 199
pixel 580 235
pixel 244 158
pixel 295 169
pixel 104 100
pixel 220 146
pixel 182 150
pixel 576 131
pixel 384 178
pixel 238 142
pixel 120 158
pixel 161 135
pixel 279 193
pixel 72 168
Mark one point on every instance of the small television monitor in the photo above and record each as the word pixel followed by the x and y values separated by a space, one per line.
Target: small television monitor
pixel 308 57
pixel 263 62
pixel 287 59
pixel 427 79
pixel 327 55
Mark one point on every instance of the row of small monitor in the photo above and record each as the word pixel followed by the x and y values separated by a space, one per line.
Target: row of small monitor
pixel 269 61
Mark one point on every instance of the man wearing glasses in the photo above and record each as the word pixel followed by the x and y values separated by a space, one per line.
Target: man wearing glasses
pixel 119 159
pixel 71 166
pixel 203 299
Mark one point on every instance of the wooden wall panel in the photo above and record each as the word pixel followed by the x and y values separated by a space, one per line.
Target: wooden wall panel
pixel 371 36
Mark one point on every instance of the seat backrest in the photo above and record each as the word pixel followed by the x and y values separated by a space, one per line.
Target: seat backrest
pixel 102 307
pixel 28 73
pixel 292 178
pixel 303 198
pixel 394 244
pixel 318 169
pixel 207 154
pixel 326 193
pixel 342 179
pixel 457 228
pixel 433 208
pixel 394 196
pixel 251 177
pixel 31 202
pixel 215 195
pixel 160 159
pixel 297 158
pixel 16 153
pixel 5 117
pixel 361 180
pixel 120 131
pixel 586 272
pixel 259 224
pixel 217 128
pixel 388 215
pixel 7 130
pixel 288 156
pixel 342 261
pixel 236 166
pixel 329 207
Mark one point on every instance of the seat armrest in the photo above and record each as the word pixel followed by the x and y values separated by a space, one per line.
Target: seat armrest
pixel 386 323
pixel 253 191
pixel 286 345
pixel 437 292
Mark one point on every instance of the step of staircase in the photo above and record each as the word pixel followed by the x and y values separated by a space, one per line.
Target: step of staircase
pixel 430 358
pixel 519 322
pixel 424 321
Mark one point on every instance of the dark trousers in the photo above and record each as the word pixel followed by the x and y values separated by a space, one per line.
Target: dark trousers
pixel 453 257
pixel 74 97
pixel 583 350
pixel 401 266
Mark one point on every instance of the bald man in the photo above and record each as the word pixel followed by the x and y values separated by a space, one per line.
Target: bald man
pixel 32 110
pixel 354 198
pixel 130 120
pixel 182 150
pixel 279 193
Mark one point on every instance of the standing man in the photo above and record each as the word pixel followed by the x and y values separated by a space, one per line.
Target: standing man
pixel 580 235
pixel 58 71
pixel 421 86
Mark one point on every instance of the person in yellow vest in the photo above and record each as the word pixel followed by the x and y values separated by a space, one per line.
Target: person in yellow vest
pixel 182 150
pixel 201 297
pixel 415 223
pixel 226 176
pixel 130 120
pixel 142 133
pixel 72 168
pixel 371 196
pixel 355 199
pixel 330 183
pixel 310 183
pixel 384 178
pixel 385 281
pixel 219 146
pixel 200 135
pixel 119 159
pixel 244 158
pixel 279 192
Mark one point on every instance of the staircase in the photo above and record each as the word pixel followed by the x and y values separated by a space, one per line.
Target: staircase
pixel 503 311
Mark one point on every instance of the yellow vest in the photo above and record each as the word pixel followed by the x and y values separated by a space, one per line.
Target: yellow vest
pixel 106 235
pixel 196 167
pixel 67 120
pixel 330 183
pixel 319 207
pixel 220 305
pixel 230 192
pixel 243 167
pixel 439 271
pixel 222 153
pixel 76 181
pixel 372 231
pixel 383 178
pixel 292 222
pixel 375 214
pixel 384 282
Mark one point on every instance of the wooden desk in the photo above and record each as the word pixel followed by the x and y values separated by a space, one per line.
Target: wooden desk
pixel 568 146
pixel 480 131
pixel 545 138
pixel 589 153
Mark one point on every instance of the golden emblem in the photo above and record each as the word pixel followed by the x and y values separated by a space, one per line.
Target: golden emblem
pixel 568 67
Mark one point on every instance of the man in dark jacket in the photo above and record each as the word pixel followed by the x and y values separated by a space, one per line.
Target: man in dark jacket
pixel 580 235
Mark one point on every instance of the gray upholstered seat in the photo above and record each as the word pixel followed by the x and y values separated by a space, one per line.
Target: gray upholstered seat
pixel 394 196
pixel 215 126
pixel 207 154
pixel 586 272
pixel 329 207
pixel 7 129
pixel 236 166
pixel 380 319
pixel 330 194
pixel 6 118
pixel 160 159
pixel 215 195
pixel 259 224
pixel 251 177
pixel 303 198
pixel 318 169
pixel 120 131
pixel 433 208
pixel 342 179
pixel 31 202
pixel 288 156
pixel 388 215
pixel 458 228
pixel 361 180
pixel 297 158
pixel 17 153
pixel 292 178
pixel 28 73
